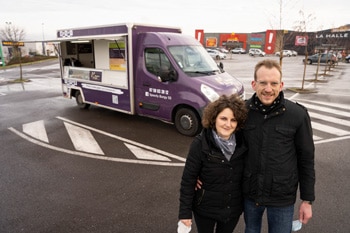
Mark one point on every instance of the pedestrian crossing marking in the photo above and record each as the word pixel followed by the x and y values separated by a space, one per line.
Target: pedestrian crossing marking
pixel 336 121
pixel 329 119
pixel 87 155
pixel 87 146
pixel 329 129
pixel 315 138
pixel 82 139
pixel 328 110
pixel 36 130
pixel 167 154
pixel 145 154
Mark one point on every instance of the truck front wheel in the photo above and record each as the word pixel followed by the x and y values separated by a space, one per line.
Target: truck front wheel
pixel 187 122
pixel 80 102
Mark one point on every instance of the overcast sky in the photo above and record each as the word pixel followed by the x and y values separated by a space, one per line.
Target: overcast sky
pixel 41 18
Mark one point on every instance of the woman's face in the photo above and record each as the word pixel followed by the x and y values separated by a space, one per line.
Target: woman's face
pixel 225 123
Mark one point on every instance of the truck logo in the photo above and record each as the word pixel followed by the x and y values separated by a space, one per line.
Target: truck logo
pixel 95 76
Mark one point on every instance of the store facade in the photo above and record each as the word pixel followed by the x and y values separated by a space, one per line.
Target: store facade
pixel 271 41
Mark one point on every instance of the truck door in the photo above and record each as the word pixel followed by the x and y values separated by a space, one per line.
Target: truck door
pixel 155 82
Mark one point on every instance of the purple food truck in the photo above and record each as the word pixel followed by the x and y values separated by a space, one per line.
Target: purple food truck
pixel 145 70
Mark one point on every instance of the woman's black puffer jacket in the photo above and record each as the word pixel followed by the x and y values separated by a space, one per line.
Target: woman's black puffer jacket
pixel 220 197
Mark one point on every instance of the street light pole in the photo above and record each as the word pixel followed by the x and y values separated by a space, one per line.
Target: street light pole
pixel 43 43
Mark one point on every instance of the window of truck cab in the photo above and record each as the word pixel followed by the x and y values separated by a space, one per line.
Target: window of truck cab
pixel 156 61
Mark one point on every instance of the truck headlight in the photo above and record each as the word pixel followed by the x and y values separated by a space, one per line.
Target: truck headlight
pixel 209 93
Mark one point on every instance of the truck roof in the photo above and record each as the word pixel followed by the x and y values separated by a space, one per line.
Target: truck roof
pixel 110 31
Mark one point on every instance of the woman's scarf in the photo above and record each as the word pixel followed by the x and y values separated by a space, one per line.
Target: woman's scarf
pixel 227 146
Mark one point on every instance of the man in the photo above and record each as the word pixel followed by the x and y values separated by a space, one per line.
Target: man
pixel 278 134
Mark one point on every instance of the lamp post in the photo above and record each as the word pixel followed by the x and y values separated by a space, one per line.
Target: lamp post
pixel 43 43
pixel 1 55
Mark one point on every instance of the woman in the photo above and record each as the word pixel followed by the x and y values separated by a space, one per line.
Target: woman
pixel 216 159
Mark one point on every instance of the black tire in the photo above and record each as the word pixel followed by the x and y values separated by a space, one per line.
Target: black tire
pixel 187 122
pixel 309 62
pixel 79 100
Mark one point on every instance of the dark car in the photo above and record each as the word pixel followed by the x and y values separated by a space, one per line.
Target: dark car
pixel 347 58
pixel 325 58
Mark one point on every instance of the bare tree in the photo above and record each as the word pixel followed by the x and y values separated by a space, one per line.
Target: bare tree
pixel 14 34
pixel 283 7
pixel 301 26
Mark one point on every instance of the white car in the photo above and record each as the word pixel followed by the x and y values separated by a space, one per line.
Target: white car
pixel 223 50
pixel 286 53
pixel 216 54
pixel 257 52
pixel 238 50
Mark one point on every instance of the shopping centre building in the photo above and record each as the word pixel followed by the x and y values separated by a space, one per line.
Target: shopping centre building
pixel 271 41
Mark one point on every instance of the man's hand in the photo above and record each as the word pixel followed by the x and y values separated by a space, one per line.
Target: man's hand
pixel 198 185
pixel 305 212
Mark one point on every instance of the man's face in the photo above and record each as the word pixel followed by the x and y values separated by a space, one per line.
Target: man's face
pixel 267 85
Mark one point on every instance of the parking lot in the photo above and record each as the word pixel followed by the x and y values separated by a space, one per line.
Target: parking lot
pixel 54 187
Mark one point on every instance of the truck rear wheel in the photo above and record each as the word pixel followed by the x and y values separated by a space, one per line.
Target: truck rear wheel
pixel 80 102
pixel 187 122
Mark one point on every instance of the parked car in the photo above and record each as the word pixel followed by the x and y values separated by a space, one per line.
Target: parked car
pixel 223 50
pixel 238 51
pixel 257 52
pixel 216 54
pixel 286 53
pixel 347 58
pixel 325 58
pixel 294 53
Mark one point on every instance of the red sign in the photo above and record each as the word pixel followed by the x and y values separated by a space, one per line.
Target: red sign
pixel 199 35
pixel 270 41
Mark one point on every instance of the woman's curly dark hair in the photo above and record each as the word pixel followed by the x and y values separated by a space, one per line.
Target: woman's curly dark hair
pixel 233 102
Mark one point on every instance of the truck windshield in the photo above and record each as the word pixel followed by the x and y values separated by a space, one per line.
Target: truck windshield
pixel 194 60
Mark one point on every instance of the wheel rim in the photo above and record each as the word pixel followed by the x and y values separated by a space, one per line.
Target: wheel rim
pixel 186 122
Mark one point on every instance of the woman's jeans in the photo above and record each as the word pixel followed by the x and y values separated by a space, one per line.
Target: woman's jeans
pixel 279 218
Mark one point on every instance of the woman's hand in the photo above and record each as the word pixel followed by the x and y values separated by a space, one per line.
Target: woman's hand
pixel 198 185
pixel 186 222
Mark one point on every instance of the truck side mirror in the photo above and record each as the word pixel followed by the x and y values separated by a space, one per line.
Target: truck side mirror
pixel 169 75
